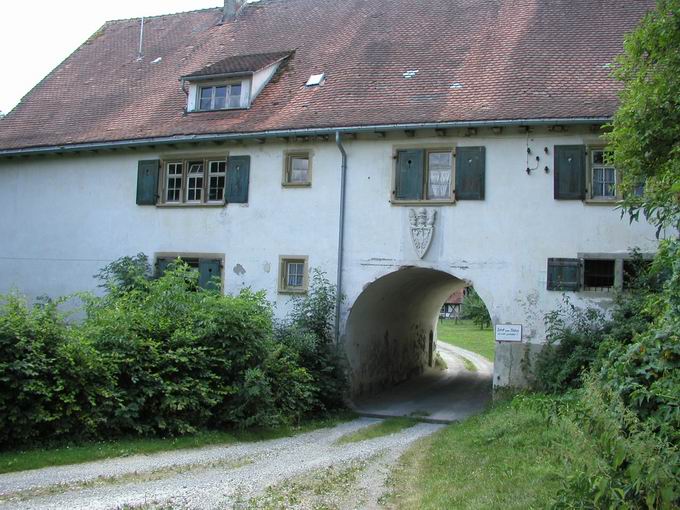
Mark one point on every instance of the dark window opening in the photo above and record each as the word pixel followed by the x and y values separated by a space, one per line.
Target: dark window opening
pixel 598 274
pixel 633 270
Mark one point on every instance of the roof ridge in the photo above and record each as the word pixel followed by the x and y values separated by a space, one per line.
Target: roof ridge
pixel 137 18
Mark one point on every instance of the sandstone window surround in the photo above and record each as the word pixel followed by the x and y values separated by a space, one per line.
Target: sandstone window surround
pixel 438 175
pixel 293 274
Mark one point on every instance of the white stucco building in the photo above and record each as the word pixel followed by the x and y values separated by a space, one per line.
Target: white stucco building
pixel 412 165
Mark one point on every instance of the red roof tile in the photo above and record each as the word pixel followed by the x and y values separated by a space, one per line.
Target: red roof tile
pixel 240 64
pixel 476 60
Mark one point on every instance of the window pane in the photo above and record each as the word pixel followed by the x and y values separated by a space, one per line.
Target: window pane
pixel 195 181
pixel 174 182
pixel 299 170
pixel 598 157
pixel 220 98
pixel 439 175
pixel 234 96
pixel 295 274
pixel 598 273
pixel 206 98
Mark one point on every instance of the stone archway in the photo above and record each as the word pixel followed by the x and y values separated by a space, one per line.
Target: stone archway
pixel 391 328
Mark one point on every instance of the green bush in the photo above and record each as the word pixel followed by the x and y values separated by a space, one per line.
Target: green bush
pixel 573 341
pixel 160 356
pixel 630 466
pixel 52 385
pixel 309 332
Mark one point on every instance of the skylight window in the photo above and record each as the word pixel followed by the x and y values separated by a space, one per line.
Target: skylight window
pixel 315 80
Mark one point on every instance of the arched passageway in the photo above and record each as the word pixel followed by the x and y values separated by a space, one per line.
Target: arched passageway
pixel 391 329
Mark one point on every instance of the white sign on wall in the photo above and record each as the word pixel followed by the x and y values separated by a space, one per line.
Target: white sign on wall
pixel 508 332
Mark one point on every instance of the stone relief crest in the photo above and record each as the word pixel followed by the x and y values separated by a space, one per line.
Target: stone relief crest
pixel 422 228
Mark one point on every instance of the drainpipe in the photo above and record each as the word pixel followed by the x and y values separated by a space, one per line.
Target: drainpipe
pixel 341 234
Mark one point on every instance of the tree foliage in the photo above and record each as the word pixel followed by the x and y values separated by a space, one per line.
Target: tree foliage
pixel 161 356
pixel 645 132
pixel 474 309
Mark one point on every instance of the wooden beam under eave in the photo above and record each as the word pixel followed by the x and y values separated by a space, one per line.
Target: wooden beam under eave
pixel 380 134
pixel 411 133
pixel 260 140
pixel 440 132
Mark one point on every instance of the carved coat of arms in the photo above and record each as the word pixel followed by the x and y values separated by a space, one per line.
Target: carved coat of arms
pixel 422 228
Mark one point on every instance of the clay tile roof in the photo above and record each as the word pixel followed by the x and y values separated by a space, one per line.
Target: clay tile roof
pixel 240 64
pixel 385 62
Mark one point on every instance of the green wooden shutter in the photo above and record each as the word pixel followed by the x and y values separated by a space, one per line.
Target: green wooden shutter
pixel 147 181
pixel 564 274
pixel 409 179
pixel 470 170
pixel 238 175
pixel 570 172
pixel 162 266
pixel 207 268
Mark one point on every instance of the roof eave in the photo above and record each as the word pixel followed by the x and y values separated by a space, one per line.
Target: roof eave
pixel 217 137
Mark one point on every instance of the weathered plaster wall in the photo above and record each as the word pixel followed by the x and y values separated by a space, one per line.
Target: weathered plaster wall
pixel 63 218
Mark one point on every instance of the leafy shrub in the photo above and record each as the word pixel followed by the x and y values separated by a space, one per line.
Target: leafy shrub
pixel 51 385
pixel 309 332
pixel 631 466
pixel 573 340
pixel 161 356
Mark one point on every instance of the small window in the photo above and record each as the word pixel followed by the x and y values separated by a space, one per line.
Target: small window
pixel 220 97
pixel 209 268
pixel 297 171
pixel 293 274
pixel 598 274
pixel 424 175
pixel 603 177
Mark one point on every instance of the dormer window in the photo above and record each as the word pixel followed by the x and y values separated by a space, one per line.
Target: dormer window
pixel 232 83
pixel 220 97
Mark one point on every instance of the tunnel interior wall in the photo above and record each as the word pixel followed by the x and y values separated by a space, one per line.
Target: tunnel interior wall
pixel 391 324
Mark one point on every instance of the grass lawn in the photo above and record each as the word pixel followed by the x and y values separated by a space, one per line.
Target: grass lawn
pixel 383 428
pixel 74 454
pixel 509 457
pixel 468 336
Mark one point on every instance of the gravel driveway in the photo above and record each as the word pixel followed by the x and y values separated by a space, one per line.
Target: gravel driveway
pixel 307 471
pixel 304 471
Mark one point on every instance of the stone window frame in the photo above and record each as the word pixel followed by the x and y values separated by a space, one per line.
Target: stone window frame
pixel 206 158
pixel 590 197
pixel 427 148
pixel 283 287
pixel 288 156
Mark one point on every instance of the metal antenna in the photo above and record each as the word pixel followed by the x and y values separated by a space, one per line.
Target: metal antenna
pixel 141 39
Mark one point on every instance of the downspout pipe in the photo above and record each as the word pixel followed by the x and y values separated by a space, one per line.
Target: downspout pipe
pixel 341 234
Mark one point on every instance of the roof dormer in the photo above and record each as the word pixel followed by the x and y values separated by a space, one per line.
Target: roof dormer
pixel 232 83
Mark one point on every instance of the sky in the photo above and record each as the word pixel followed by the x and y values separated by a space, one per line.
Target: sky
pixel 37 35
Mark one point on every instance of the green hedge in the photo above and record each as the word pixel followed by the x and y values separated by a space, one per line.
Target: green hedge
pixel 156 357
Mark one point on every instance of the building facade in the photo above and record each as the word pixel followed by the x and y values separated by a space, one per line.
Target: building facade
pixel 401 200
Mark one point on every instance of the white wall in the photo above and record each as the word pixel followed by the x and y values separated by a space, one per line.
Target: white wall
pixel 63 218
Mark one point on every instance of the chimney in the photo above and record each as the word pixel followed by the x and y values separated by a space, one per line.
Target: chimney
pixel 231 8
